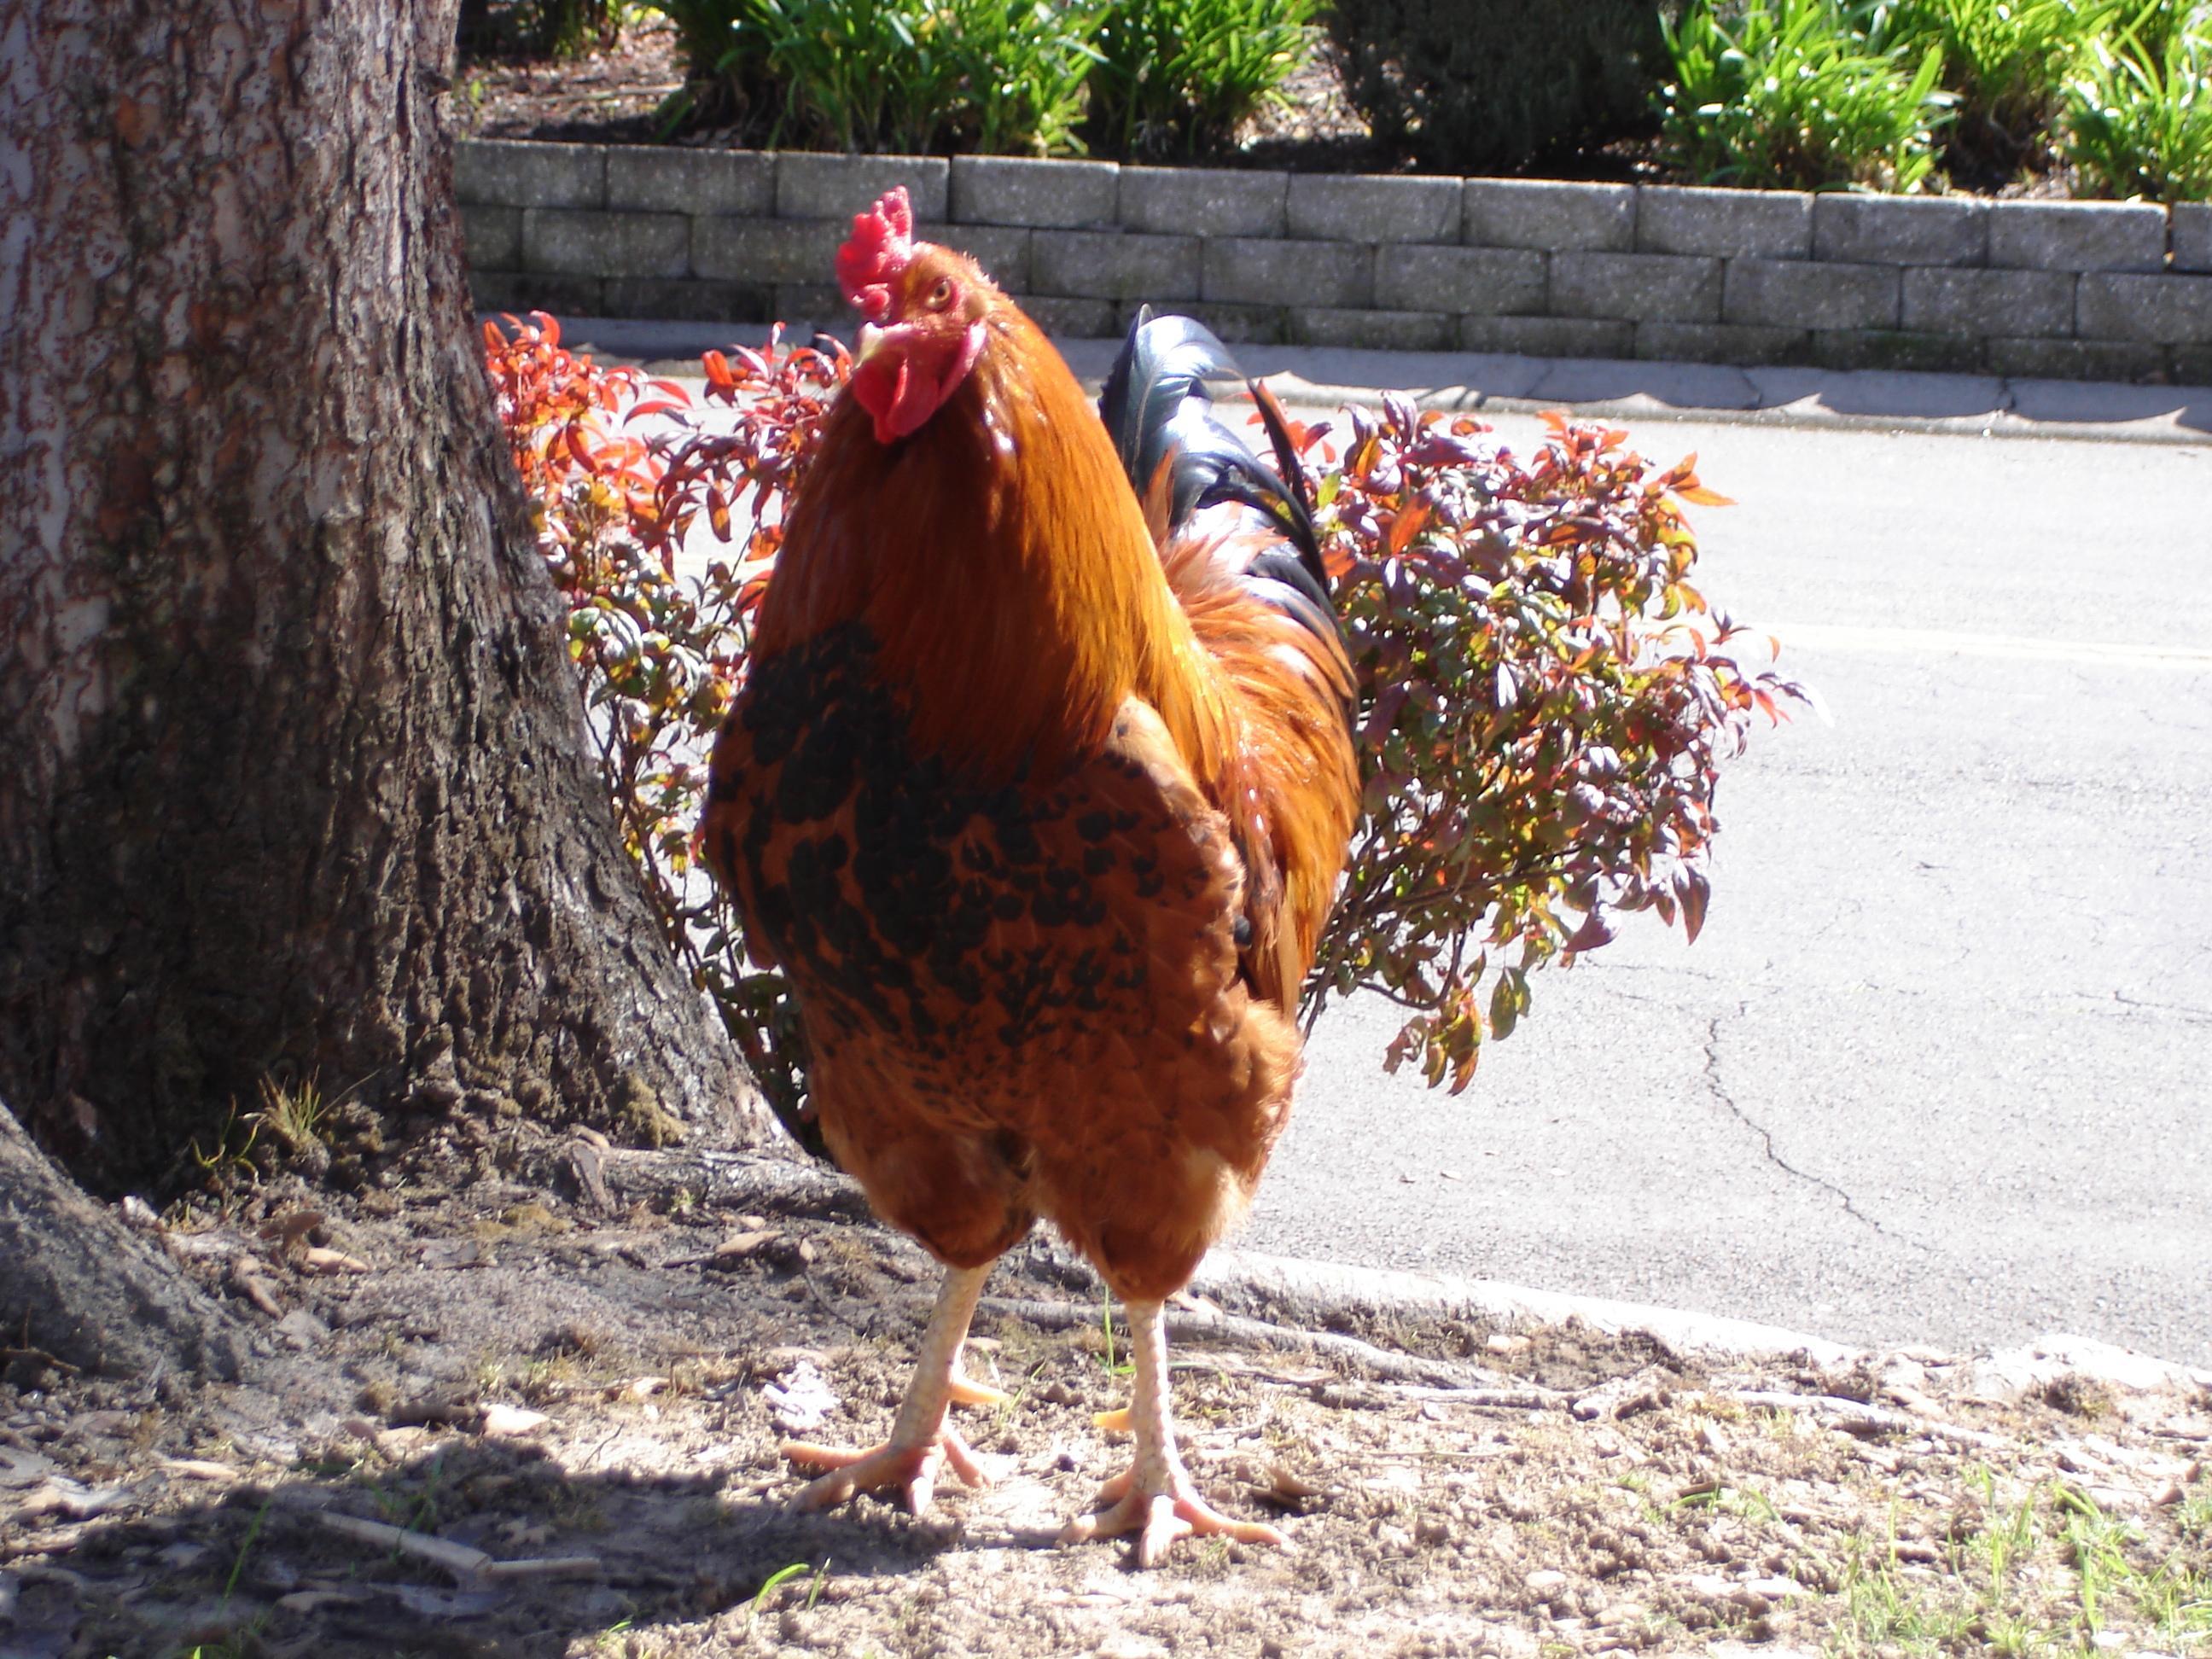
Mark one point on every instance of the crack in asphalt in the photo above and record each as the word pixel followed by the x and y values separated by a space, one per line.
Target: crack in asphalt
pixel 2184 1009
pixel 1719 1092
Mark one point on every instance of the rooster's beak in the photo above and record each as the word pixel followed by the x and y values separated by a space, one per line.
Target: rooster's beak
pixel 865 344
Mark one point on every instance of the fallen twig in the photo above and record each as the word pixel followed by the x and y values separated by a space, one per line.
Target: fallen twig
pixel 197 1468
pixel 743 1181
pixel 1194 1326
pixel 1856 1413
pixel 1526 1399
pixel 8 1356
pixel 469 1566
pixel 548 1566
pixel 460 1559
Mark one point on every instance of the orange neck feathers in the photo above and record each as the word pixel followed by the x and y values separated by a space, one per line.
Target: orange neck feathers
pixel 1001 562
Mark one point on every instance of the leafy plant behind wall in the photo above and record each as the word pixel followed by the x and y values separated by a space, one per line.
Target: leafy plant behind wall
pixel 914 77
pixel 2138 115
pixel 1802 95
pixel 2007 61
pixel 1176 76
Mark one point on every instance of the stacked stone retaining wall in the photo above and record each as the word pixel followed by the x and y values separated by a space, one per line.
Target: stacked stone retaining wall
pixel 2075 290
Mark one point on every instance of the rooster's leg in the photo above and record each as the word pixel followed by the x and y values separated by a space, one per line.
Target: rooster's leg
pixel 921 1440
pixel 1155 1497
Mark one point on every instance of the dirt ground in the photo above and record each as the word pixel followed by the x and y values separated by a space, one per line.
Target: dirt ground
pixel 534 1409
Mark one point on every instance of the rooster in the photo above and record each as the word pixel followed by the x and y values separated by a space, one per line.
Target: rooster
pixel 1038 791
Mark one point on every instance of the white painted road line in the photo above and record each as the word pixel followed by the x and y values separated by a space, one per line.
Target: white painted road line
pixel 1937 642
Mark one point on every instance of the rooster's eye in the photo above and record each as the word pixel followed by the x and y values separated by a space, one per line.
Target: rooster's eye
pixel 941 295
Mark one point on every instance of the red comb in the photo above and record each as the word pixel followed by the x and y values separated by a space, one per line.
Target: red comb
pixel 881 244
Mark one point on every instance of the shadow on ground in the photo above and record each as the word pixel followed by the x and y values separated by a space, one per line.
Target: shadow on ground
pixel 526 1422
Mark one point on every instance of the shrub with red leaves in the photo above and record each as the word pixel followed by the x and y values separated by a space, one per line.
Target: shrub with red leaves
pixel 1547 699
pixel 661 645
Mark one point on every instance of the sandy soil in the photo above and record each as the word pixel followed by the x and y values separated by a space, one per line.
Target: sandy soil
pixel 532 1407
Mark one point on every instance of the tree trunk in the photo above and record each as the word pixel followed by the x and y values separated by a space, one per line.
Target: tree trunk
pixel 296 786
pixel 79 1291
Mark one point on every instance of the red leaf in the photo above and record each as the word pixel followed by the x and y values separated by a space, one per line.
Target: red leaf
pixel 1593 932
pixel 1408 523
pixel 1694 891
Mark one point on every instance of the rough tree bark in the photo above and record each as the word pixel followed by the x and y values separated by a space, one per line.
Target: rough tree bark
pixel 295 785
pixel 80 1290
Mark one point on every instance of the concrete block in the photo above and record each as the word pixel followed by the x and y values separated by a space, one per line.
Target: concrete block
pixel 493 291
pixel 767 250
pixel 518 291
pixel 492 236
pixel 1021 189
pixel 1374 210
pixel 672 180
pixel 2078 235
pixel 1073 319
pixel 2191 235
pixel 685 300
pixel 2192 365
pixel 1897 348
pixel 1900 230
pixel 1268 270
pixel 2176 310
pixel 1539 213
pixel 1003 251
pixel 514 174
pixel 1548 336
pixel 1235 324
pixel 1476 280
pixel 1721 343
pixel 589 242
pixel 1204 201
pixel 1806 293
pixel 1374 330
pixel 2020 303
pixel 822 304
pixel 813 185
pixel 1766 224
pixel 1114 265
pixel 1637 287
pixel 2074 359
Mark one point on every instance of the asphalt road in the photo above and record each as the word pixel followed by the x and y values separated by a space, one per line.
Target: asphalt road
pixel 1940 1067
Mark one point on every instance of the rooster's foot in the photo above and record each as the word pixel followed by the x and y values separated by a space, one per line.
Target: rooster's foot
pixel 912 1470
pixel 965 1391
pixel 1160 1509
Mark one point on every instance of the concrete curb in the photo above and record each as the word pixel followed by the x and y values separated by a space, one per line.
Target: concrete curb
pixel 1969 405
pixel 1315 1291
pixel 1314 1294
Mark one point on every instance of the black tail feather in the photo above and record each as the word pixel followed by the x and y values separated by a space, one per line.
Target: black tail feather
pixel 1157 408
